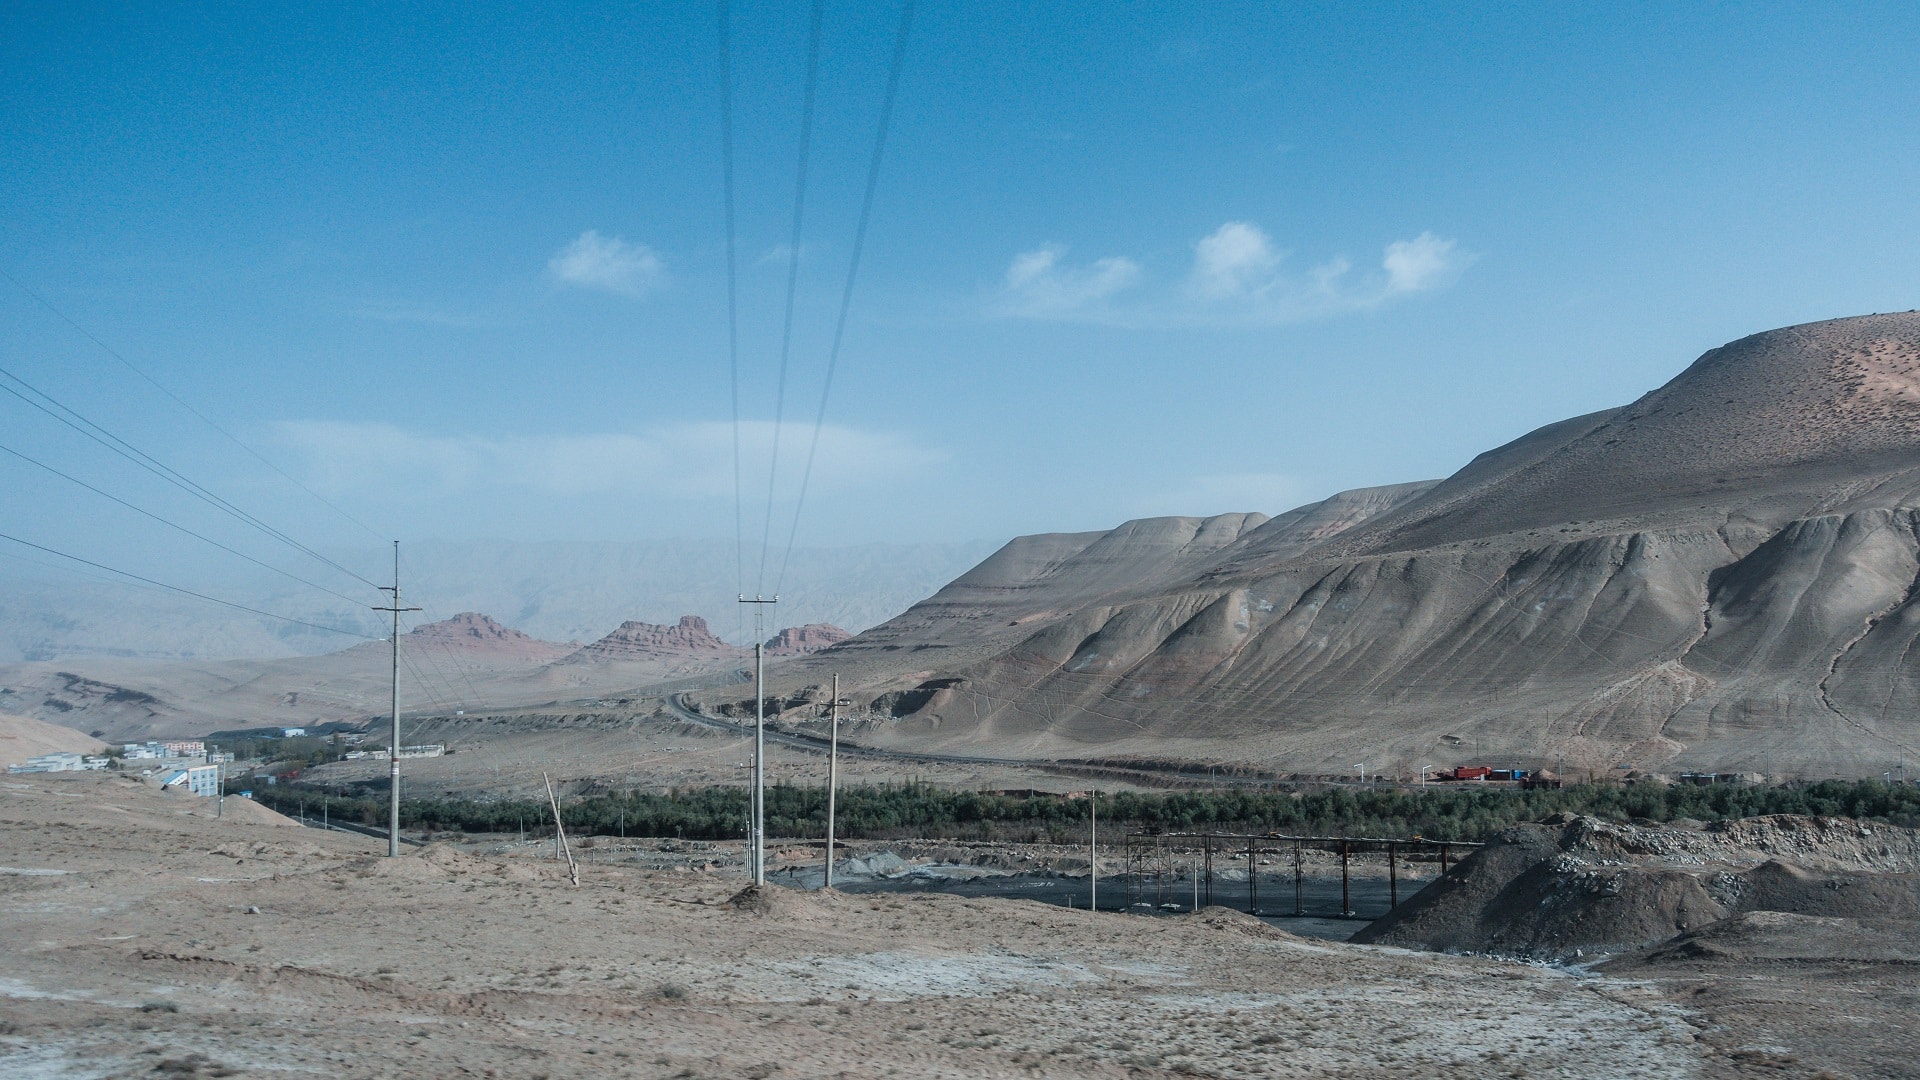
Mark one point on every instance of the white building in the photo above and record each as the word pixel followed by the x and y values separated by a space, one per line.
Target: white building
pixel 60 762
pixel 427 750
pixel 185 750
pixel 202 780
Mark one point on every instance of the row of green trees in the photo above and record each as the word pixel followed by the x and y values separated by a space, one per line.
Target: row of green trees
pixel 918 810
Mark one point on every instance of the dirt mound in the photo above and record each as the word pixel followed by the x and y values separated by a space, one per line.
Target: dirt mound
pixel 1779 886
pixel 273 851
pixel 22 737
pixel 1239 922
pixel 238 809
pixel 1841 843
pixel 434 863
pixel 790 905
pixel 1779 936
pixel 1564 890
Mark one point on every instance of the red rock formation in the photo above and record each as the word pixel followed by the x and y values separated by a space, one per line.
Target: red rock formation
pixel 471 631
pixel 811 638
pixel 651 641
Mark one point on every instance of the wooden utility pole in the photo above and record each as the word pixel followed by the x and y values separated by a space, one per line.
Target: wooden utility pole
pixel 393 749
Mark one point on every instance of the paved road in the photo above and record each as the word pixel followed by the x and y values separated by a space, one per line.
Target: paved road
pixel 681 708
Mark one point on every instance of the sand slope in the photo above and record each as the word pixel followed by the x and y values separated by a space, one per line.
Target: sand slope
pixel 22 737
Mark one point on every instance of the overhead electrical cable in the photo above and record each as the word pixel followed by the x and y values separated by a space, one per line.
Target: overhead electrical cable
pixel 853 270
pixel 733 302
pixel 175 525
pixel 186 592
pixel 178 400
pixel 153 465
pixel 793 275
pixel 426 657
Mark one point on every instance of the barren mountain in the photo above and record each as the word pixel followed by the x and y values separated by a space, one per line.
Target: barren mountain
pixel 466 663
pixel 558 591
pixel 1721 575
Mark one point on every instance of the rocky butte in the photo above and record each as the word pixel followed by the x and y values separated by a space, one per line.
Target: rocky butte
pixel 635 640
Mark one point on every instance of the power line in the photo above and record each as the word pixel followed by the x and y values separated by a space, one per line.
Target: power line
pixel 185 592
pixel 733 307
pixel 178 400
pixel 853 269
pixel 155 466
pixel 793 274
pixel 432 613
pixel 175 525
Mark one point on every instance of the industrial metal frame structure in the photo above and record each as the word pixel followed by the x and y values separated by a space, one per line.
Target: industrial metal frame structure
pixel 1151 860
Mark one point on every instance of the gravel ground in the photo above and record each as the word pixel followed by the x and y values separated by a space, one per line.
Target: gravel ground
pixel 147 939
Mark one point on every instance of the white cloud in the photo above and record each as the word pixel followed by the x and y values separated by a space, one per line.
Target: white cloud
pixel 678 461
pixel 1422 263
pixel 609 264
pixel 1238 277
pixel 1235 259
pixel 1038 285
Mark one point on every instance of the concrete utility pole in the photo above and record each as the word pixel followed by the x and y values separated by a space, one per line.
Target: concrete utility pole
pixel 833 768
pixel 757 831
pixel 393 749
pixel 1093 843
pixel 219 782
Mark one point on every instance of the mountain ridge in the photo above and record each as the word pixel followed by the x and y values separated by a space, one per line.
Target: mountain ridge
pixel 1721 574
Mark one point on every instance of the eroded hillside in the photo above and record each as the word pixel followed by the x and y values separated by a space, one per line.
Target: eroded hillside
pixel 1720 575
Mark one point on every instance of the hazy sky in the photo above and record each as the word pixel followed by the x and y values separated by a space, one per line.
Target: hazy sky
pixel 460 268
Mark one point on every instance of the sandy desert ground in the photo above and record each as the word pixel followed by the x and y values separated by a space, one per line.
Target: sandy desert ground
pixel 146 938
pixel 504 756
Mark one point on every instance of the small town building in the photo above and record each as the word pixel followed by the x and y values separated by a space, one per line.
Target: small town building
pixel 202 780
pixel 60 762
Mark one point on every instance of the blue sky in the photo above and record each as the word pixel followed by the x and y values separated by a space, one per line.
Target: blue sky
pixel 460 268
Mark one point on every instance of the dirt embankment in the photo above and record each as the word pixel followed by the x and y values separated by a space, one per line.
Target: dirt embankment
pixel 1572 887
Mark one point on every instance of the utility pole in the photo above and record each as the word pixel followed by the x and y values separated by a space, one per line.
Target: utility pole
pixel 219 782
pixel 757 831
pixel 393 749
pixel 1093 844
pixel 833 768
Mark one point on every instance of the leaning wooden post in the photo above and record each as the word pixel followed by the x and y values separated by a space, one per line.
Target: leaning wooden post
pixel 560 832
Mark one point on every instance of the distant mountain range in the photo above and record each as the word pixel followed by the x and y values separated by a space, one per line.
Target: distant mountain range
pixel 1722 575
pixel 559 591
pixel 467 662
